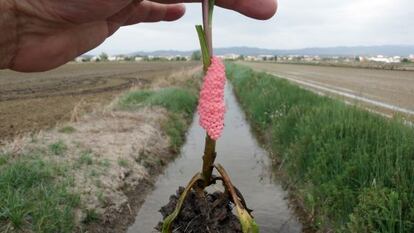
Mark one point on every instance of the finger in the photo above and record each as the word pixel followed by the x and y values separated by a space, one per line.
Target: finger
pixel 258 9
pixel 148 11
pixel 145 11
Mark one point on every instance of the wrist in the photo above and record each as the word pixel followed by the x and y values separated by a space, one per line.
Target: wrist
pixel 8 29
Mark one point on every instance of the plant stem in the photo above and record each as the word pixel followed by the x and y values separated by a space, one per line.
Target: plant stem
pixel 208 160
pixel 210 145
pixel 207 14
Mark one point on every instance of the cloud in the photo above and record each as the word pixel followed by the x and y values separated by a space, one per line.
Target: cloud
pixel 298 24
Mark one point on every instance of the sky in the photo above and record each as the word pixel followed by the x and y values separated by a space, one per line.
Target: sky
pixel 297 24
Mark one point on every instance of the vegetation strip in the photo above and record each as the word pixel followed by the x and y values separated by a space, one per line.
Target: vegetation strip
pixel 331 89
pixel 352 168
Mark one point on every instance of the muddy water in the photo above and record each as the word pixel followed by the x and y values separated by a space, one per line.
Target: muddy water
pixel 247 164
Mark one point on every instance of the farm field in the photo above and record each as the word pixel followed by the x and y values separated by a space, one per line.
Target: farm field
pixel 394 88
pixel 29 102
pixel 92 173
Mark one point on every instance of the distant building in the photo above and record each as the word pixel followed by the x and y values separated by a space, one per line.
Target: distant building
pixel 396 59
pixel 81 59
pixel 230 56
pixel 360 58
pixel 116 58
pixel 96 58
pixel 251 58
pixel 381 58
pixel 266 57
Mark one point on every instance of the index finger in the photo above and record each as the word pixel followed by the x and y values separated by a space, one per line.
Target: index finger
pixel 258 9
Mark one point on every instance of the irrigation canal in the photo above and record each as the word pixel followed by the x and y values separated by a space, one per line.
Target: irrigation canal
pixel 245 161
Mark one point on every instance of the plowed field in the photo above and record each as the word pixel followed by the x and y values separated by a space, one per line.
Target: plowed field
pixel 30 102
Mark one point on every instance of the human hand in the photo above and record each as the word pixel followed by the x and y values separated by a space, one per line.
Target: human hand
pixel 39 35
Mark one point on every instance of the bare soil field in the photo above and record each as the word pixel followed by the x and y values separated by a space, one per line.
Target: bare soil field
pixel 30 102
pixel 394 88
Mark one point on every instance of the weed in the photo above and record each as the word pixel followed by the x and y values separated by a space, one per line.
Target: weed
pixel 102 198
pixel 67 129
pixel 123 162
pixel 3 159
pixel 175 128
pixel 148 160
pixel 31 200
pixel 86 158
pixel 134 98
pixel 105 163
pixel 94 173
pixel 58 148
pixel 91 216
pixel 176 100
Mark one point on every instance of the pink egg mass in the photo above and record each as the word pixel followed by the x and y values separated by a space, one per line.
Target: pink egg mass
pixel 211 107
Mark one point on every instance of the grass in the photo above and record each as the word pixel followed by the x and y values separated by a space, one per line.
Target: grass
pixel 176 100
pixel 32 200
pixel 67 130
pixel 123 162
pixel 91 216
pixel 58 148
pixel 180 103
pixel 104 163
pixel 3 159
pixel 175 127
pixel 353 169
pixel 85 158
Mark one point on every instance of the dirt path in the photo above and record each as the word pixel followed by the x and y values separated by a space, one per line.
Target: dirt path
pixel 389 90
pixel 30 102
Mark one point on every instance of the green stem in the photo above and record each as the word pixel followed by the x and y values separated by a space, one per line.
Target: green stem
pixel 208 160
pixel 204 47
pixel 205 37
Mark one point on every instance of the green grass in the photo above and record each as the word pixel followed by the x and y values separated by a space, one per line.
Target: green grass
pixel 67 130
pixel 86 158
pixel 91 216
pixel 123 162
pixel 58 148
pixel 352 168
pixel 180 103
pixel 104 163
pixel 176 100
pixel 32 200
pixel 3 159
pixel 175 127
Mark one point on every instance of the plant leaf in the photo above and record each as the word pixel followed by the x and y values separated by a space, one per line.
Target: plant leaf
pixel 167 224
pixel 204 47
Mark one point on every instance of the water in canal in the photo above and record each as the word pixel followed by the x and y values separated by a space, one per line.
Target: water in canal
pixel 245 161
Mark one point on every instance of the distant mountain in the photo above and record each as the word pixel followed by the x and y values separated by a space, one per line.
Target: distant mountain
pixel 386 50
pixel 163 53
